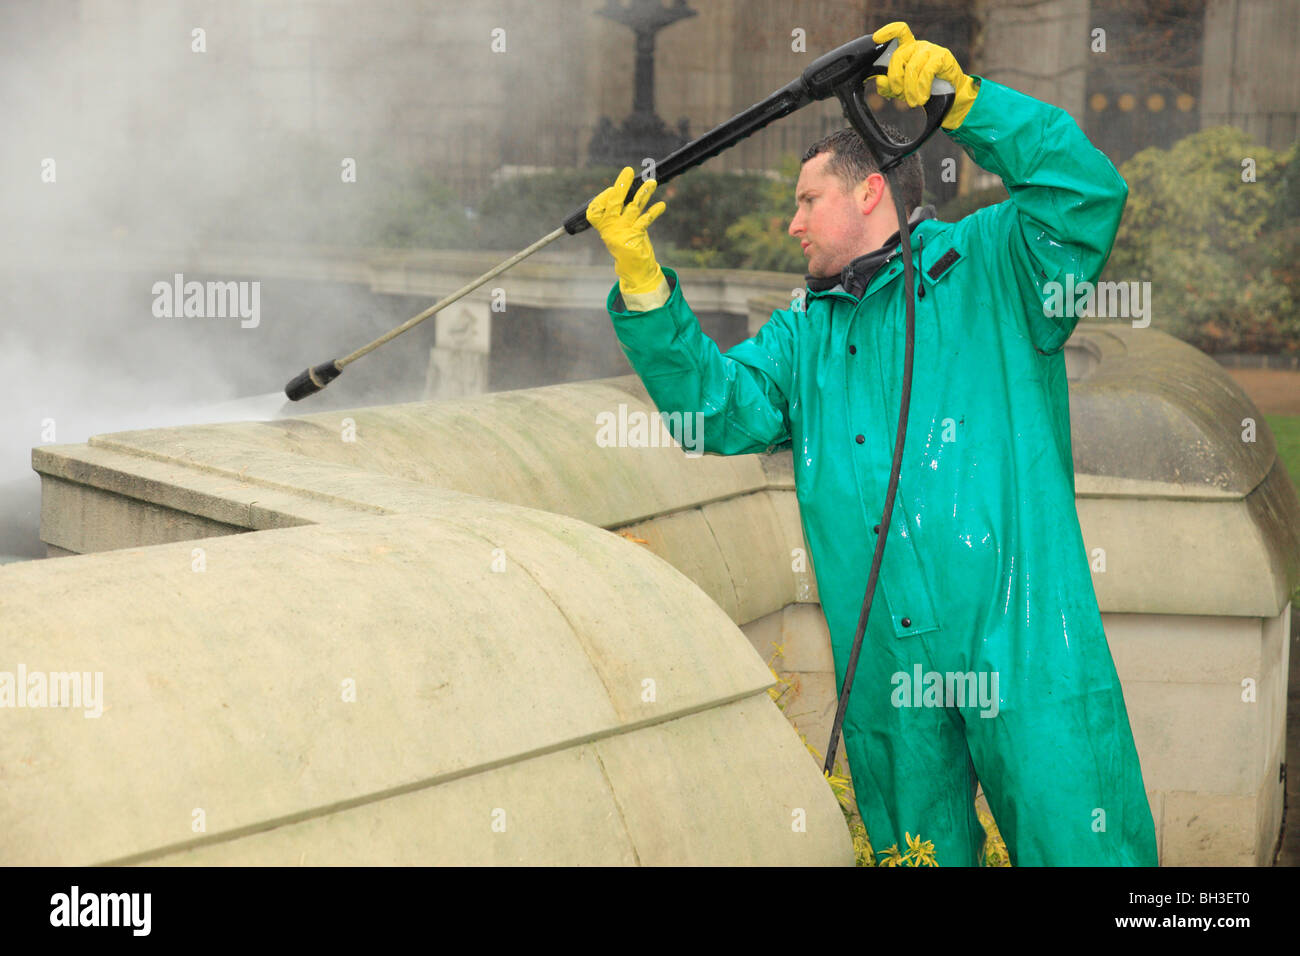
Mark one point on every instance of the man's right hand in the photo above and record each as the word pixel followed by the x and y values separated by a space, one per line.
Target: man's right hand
pixel 624 230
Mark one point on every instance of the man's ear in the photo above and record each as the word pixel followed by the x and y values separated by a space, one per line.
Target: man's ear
pixel 869 192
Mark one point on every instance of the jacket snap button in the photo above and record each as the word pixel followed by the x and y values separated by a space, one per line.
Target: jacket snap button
pixel 876 529
pixel 853 350
pixel 860 439
pixel 907 622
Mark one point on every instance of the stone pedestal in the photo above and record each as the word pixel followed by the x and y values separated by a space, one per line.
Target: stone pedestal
pixel 458 364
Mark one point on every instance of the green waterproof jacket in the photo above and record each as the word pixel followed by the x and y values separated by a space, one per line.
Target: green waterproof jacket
pixel 985 554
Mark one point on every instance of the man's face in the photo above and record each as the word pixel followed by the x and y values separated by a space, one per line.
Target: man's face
pixel 829 221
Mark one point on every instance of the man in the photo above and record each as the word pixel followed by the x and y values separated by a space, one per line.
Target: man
pixel 985 583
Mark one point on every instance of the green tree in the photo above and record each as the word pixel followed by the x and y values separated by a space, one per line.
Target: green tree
pixel 1213 244
pixel 758 238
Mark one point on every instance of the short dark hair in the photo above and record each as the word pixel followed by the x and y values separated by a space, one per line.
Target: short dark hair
pixel 851 162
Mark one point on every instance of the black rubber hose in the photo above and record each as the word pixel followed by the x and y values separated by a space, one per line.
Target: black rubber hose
pixel 904 233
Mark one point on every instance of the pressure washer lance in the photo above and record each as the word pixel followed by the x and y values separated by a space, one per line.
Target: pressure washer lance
pixel 312 380
pixel 840 73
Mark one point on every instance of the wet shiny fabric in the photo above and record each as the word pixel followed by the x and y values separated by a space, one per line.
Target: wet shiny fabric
pixel 985 575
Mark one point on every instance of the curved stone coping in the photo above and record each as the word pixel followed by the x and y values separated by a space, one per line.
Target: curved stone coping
pixel 741 550
pixel 1195 553
pixel 1155 409
pixel 634 798
pixel 223 690
pixel 1172 556
pixel 1194 519
pixel 1235 530
pixel 535 447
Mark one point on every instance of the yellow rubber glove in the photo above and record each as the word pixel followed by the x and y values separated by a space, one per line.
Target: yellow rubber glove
pixel 624 230
pixel 915 64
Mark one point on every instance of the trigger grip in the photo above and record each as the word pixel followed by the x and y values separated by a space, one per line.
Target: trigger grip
pixel 890 48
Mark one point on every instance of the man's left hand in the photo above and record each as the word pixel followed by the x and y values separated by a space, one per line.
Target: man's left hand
pixel 914 66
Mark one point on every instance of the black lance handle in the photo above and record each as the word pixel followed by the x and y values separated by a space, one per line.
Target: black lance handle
pixel 841 73
pixel 838 73
pixel 781 103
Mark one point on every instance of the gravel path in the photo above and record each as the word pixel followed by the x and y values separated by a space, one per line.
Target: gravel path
pixel 1275 392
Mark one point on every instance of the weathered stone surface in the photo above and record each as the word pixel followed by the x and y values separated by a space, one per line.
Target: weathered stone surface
pixel 557 808
pixel 1208 829
pixel 225 690
pixel 631 799
pixel 753 545
pixel 536 447
pixel 1211 650
pixel 684 540
pixel 787 514
pixel 1155 409
pixel 1195 737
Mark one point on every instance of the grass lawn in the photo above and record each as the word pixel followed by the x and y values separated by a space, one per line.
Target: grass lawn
pixel 1286 433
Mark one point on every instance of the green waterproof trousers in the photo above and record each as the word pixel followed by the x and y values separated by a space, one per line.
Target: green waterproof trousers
pixel 984 657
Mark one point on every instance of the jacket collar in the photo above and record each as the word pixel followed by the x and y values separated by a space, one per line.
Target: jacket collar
pixel 854 277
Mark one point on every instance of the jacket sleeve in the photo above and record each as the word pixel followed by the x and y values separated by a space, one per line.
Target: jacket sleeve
pixel 741 396
pixel 1066 202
